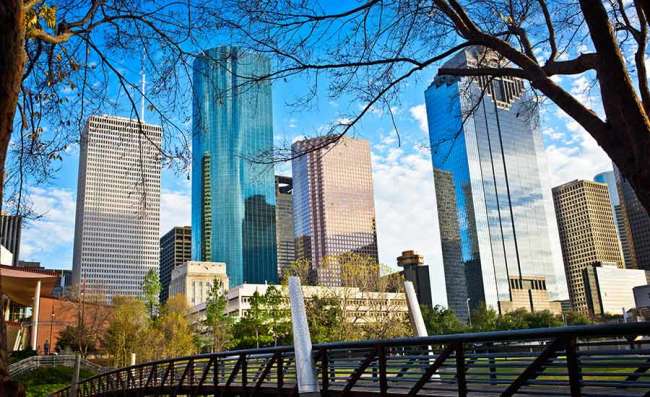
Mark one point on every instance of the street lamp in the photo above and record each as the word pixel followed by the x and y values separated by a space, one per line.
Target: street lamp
pixel 469 312
pixel 51 325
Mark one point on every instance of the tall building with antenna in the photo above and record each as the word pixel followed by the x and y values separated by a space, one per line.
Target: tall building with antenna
pixel 118 206
pixel 500 235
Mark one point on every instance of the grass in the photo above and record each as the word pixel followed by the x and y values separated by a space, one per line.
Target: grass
pixel 45 380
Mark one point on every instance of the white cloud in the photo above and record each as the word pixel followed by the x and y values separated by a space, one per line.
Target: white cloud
pixel 51 235
pixel 419 113
pixel 406 210
pixel 175 209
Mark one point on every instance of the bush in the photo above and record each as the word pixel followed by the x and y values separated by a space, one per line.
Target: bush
pixel 20 355
pixel 45 380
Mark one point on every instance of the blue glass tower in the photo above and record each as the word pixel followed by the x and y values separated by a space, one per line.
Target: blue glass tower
pixel 495 212
pixel 233 198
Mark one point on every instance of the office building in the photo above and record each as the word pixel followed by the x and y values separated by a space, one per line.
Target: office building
pixel 587 233
pixel 233 194
pixel 637 219
pixel 610 290
pixel 622 226
pixel 495 212
pixel 116 239
pixel 333 204
pixel 175 249
pixel 530 293
pixel 415 271
pixel 284 222
pixel 10 230
pixel 194 280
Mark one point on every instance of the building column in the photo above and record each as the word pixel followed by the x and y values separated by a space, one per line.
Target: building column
pixel 35 310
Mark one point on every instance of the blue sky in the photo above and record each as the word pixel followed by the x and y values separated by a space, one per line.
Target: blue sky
pixel 404 193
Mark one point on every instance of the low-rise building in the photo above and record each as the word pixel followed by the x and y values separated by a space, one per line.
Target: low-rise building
pixel 609 289
pixel 530 293
pixel 415 271
pixel 193 279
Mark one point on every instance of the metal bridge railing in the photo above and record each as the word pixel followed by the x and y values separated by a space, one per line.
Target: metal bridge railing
pixel 601 360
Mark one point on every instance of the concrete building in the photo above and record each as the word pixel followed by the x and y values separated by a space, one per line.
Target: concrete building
pixel 530 293
pixel 622 225
pixel 285 240
pixel 233 197
pixel 6 256
pixel 118 206
pixel 175 249
pixel 610 290
pixel 415 271
pixel 10 231
pixel 194 280
pixel 495 211
pixel 333 203
pixel 638 221
pixel 587 233
pixel 358 306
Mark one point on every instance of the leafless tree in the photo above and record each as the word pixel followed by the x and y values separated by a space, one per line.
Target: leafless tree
pixel 368 50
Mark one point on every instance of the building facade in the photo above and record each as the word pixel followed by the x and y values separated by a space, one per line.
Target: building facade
pixel 333 204
pixel 415 271
pixel 285 239
pixel 495 212
pixel 175 249
pixel 193 280
pixel 638 221
pixel 10 230
pixel 610 290
pixel 118 206
pixel 622 225
pixel 587 233
pixel 233 196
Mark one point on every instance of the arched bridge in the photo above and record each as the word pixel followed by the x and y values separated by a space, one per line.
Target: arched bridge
pixel 602 360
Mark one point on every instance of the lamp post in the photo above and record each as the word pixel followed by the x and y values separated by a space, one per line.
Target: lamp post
pixel 51 324
pixel 469 312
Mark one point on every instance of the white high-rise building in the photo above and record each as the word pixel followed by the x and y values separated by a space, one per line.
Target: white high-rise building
pixel 118 206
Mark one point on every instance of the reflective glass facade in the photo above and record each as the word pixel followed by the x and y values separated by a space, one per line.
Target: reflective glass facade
pixel 495 211
pixel 233 198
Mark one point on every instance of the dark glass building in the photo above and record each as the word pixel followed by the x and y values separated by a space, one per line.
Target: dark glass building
pixel 638 221
pixel 175 249
pixel 10 230
pixel 233 196
pixel 284 222
pixel 490 175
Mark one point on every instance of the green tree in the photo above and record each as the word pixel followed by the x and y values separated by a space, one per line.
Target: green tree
pixel 174 328
pixel 440 321
pixel 218 322
pixel 251 330
pixel 326 319
pixel 516 319
pixel 128 331
pixel 279 316
pixel 543 319
pixel 151 290
pixel 484 318
pixel 577 318
pixel 78 338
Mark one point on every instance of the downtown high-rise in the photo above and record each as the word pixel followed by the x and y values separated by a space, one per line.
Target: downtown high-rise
pixel 118 206
pixel 175 249
pixel 495 213
pixel 10 230
pixel 284 222
pixel 637 220
pixel 233 189
pixel 333 203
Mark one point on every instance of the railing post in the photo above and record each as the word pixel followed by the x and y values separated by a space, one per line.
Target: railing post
pixel 244 368
pixel 383 381
pixel 324 370
pixel 460 370
pixel 573 367
pixel 280 374
pixel 75 376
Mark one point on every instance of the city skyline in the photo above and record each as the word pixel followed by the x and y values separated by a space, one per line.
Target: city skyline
pixel 395 168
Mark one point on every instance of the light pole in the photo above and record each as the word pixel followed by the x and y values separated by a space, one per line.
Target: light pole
pixel 51 325
pixel 469 312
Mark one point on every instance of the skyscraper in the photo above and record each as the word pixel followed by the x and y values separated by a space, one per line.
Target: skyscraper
pixel 488 156
pixel 638 221
pixel 10 230
pixel 333 203
pixel 587 233
pixel 118 206
pixel 175 249
pixel 284 222
pixel 622 226
pixel 233 195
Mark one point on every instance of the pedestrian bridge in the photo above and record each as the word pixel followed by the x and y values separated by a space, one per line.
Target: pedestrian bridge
pixel 600 360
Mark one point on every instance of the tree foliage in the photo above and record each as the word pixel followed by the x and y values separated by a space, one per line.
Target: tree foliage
pixel 440 321
pixel 173 329
pixel 217 321
pixel 128 332
pixel 151 291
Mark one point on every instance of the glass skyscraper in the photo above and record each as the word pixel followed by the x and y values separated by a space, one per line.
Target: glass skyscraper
pixel 233 196
pixel 495 212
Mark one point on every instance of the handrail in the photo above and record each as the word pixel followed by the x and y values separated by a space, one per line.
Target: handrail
pixel 555 342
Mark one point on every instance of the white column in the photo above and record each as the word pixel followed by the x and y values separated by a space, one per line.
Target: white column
pixel 35 310
pixel 307 384
pixel 414 309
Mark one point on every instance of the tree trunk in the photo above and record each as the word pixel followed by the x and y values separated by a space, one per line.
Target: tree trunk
pixel 12 62
pixel 627 136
